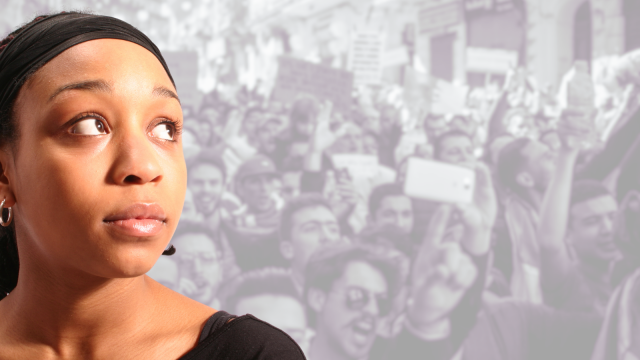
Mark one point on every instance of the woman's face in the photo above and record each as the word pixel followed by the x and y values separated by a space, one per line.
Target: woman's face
pixel 95 138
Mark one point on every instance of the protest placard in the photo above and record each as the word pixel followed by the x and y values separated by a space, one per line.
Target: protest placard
pixel 359 165
pixel 495 61
pixel 448 98
pixel 395 57
pixel 417 92
pixel 184 69
pixel 365 58
pixel 297 77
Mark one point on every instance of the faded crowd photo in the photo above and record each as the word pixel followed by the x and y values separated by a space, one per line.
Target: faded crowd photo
pixel 404 179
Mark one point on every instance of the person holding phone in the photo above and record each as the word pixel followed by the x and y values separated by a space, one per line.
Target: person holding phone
pixel 93 180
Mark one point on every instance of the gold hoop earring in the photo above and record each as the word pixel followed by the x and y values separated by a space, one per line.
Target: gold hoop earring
pixel 8 222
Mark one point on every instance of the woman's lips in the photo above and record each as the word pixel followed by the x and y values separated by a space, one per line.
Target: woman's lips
pixel 138 220
pixel 138 227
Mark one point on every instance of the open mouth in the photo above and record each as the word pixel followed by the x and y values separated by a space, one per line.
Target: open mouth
pixel 363 330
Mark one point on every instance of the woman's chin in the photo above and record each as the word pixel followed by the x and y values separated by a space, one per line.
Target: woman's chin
pixel 129 264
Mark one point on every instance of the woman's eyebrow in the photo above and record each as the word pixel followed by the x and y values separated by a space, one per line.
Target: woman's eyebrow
pixel 90 85
pixel 103 86
pixel 162 91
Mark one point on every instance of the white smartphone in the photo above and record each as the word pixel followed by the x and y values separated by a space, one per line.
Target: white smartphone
pixel 437 181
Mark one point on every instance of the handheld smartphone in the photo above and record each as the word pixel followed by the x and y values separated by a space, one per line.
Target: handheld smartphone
pixel 437 181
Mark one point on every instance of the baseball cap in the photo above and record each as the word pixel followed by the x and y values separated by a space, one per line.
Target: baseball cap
pixel 257 165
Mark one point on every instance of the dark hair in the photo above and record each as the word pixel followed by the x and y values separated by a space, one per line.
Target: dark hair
pixel 380 193
pixel 584 190
pixel 437 144
pixel 271 281
pixel 301 202
pixel 207 158
pixel 511 160
pixel 329 263
pixel 9 261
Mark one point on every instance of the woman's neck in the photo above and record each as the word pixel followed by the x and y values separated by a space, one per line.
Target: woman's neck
pixel 63 310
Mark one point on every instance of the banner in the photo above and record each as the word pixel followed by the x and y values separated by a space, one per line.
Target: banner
pixel 495 61
pixel 438 17
pixel 475 8
pixel 297 77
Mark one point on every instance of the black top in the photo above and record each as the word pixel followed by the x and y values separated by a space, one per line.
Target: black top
pixel 244 338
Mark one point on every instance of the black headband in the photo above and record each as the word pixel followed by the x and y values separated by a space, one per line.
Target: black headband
pixel 43 40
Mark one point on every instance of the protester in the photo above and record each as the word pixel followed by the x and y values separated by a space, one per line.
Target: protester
pixel 255 187
pixel 291 186
pixel 455 147
pixel 389 206
pixel 207 183
pixel 391 219
pixel 524 170
pixel 349 289
pixel 200 269
pixel 620 335
pixel 307 224
pixel 270 295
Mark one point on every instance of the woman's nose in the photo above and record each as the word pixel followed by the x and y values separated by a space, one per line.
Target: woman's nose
pixel 137 160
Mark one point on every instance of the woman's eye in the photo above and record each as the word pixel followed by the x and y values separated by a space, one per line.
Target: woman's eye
pixel 89 127
pixel 163 131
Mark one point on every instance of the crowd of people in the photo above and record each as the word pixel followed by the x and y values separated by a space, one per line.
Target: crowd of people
pixel 297 214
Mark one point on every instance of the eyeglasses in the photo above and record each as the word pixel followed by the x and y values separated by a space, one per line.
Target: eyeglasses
pixel 358 298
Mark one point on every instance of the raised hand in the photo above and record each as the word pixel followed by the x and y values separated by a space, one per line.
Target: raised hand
pixel 323 136
pixel 479 217
pixel 347 197
pixel 576 128
pixel 438 285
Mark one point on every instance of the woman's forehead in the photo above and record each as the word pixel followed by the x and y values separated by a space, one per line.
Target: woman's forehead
pixel 114 61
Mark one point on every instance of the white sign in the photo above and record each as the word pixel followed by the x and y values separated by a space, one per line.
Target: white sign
pixel 358 165
pixel 449 98
pixel 395 57
pixel 491 60
pixel 365 58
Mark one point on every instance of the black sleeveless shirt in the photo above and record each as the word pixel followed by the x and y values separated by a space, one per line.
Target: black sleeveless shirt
pixel 244 338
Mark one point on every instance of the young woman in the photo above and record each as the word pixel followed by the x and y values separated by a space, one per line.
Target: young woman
pixel 92 180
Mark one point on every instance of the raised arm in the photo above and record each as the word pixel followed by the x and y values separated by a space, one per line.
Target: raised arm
pixel 323 137
pixel 554 212
pixel 479 217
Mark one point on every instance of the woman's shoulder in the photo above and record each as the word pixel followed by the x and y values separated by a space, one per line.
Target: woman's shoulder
pixel 243 338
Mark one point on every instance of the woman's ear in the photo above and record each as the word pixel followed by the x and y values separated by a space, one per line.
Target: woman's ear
pixel 6 191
